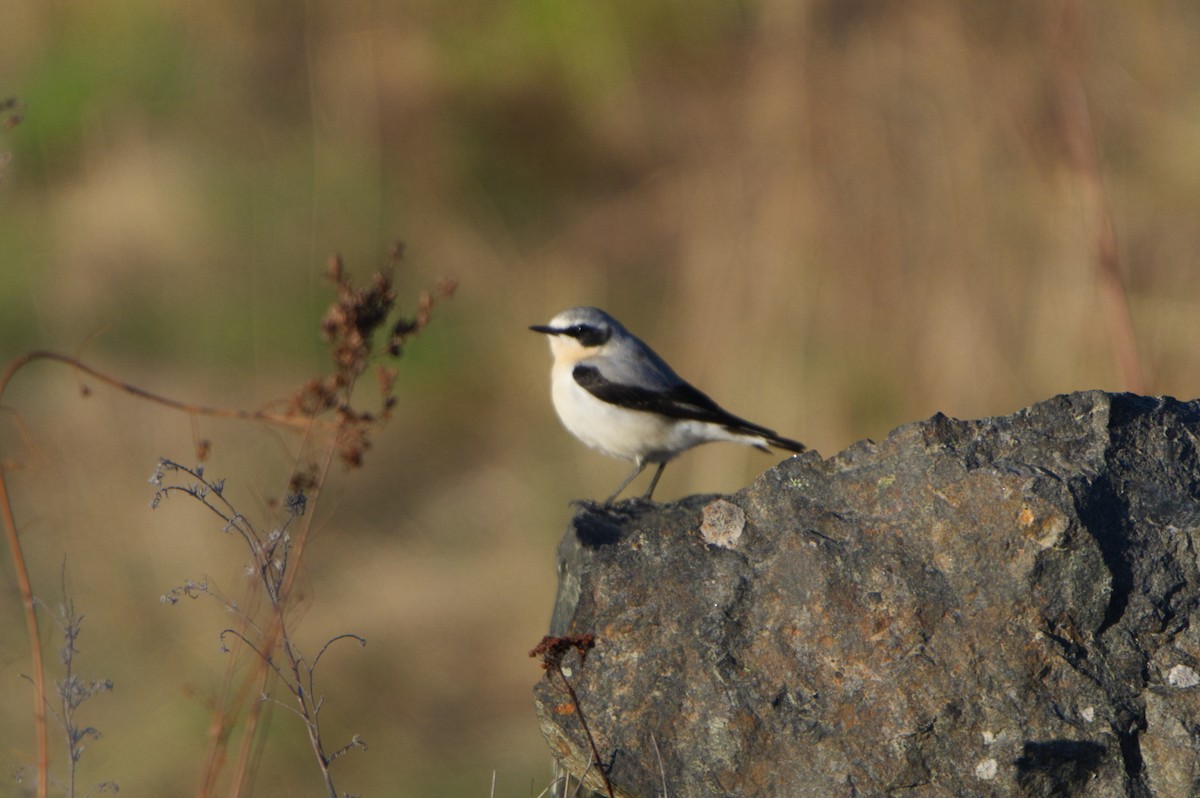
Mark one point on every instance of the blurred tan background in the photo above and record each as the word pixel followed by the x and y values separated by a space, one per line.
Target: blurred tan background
pixel 834 217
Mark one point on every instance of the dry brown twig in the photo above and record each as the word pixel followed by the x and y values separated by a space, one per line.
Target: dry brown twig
pixel 551 651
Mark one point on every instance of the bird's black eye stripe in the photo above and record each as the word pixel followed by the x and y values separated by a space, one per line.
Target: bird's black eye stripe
pixel 588 335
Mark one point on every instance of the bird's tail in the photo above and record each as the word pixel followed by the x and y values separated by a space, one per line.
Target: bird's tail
pixel 786 443
pixel 763 438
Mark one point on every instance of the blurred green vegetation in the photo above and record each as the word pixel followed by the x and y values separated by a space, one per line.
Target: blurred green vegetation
pixel 835 217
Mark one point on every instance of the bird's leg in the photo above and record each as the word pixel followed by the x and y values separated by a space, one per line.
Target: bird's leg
pixel 637 469
pixel 654 481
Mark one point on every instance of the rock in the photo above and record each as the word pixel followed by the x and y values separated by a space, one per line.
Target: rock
pixel 997 607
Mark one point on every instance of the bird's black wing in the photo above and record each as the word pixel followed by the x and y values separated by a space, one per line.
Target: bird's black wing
pixel 680 401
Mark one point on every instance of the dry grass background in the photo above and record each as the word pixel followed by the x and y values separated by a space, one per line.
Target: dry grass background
pixel 835 217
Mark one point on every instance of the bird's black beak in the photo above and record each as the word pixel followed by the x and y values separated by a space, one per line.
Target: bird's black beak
pixel 542 328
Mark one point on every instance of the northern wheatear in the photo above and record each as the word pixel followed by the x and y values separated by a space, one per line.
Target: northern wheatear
pixel 616 395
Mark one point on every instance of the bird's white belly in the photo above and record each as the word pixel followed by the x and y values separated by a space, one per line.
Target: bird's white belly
pixel 622 433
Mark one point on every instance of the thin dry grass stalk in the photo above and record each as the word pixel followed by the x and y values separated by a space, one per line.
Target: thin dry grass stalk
pixel 1080 140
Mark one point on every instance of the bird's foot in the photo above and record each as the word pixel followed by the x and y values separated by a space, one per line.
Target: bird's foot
pixel 622 509
pixel 638 503
pixel 588 505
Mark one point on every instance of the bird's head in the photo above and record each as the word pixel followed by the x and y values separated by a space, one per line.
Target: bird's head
pixel 578 333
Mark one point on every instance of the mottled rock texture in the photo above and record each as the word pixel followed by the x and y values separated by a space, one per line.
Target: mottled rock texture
pixel 997 607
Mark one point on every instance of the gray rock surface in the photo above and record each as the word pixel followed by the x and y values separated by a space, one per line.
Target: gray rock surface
pixel 997 607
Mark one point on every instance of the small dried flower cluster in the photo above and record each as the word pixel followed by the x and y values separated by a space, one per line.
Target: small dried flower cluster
pixel 189 589
pixel 552 649
pixel 351 326
pixel 268 553
pixel 74 691
pixel 351 322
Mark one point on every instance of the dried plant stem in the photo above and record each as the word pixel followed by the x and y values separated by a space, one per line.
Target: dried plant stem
pixel 586 732
pixel 222 726
pixel 257 681
pixel 31 626
pixel 662 773
pixel 291 420
pixel 251 743
pixel 268 639
pixel 20 566
pixel 551 652
pixel 276 632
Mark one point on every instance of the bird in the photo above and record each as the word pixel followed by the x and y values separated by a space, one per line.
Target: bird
pixel 616 395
